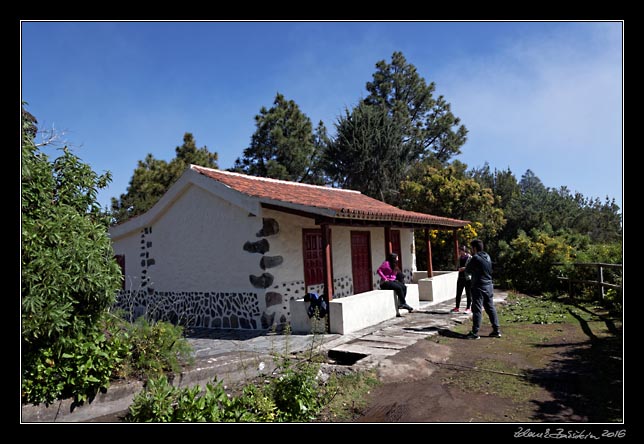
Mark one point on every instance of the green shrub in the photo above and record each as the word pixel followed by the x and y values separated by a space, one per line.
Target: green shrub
pixel 161 402
pixel 155 403
pixel 298 392
pixel 613 300
pixel 601 253
pixel 77 367
pixel 528 260
pixel 155 347
pixel 68 277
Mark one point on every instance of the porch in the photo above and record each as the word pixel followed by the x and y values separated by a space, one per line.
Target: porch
pixel 361 310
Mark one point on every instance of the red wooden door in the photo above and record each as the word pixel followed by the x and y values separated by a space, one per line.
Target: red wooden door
pixel 395 246
pixel 361 261
pixel 313 257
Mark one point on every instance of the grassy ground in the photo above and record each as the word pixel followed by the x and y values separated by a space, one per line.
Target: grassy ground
pixel 352 391
pixel 558 361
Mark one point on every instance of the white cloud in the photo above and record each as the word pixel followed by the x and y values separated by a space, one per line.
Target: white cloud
pixel 554 101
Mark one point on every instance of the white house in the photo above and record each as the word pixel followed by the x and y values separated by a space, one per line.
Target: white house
pixel 227 250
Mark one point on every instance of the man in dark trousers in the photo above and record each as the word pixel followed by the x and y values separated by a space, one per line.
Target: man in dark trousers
pixel 480 267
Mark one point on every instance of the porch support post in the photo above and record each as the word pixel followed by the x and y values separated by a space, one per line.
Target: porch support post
pixel 388 245
pixel 455 247
pixel 327 266
pixel 428 243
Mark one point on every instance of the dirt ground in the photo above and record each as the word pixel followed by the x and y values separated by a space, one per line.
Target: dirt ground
pixel 534 373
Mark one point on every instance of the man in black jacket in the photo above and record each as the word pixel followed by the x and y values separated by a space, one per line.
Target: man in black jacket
pixel 480 267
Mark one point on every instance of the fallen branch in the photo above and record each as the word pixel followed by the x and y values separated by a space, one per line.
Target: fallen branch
pixel 468 367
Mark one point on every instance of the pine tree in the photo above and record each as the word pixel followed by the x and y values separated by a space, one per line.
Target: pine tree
pixel 283 145
pixel 428 125
pixel 368 153
pixel 152 178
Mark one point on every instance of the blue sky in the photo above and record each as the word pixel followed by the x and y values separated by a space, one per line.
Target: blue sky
pixel 545 96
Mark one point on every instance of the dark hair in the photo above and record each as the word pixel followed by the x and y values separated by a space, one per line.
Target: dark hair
pixel 477 244
pixel 463 248
pixel 391 257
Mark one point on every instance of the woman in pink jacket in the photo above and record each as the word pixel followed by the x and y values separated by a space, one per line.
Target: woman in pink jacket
pixel 388 281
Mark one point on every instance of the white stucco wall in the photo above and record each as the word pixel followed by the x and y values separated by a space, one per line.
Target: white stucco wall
pixel 130 247
pixel 288 244
pixel 196 246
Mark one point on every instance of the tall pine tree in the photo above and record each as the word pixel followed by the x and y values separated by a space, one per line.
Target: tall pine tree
pixel 429 127
pixel 397 125
pixel 284 145
pixel 368 153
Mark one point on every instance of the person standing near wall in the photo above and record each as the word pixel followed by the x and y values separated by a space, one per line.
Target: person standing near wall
pixel 480 267
pixel 464 281
pixel 388 281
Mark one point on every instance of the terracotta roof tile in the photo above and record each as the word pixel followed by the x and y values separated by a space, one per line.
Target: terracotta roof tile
pixel 341 203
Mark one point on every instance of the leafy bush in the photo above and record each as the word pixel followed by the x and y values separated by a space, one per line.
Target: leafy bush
pixel 296 394
pixel 528 260
pixel 156 347
pixel 613 300
pixel 68 277
pixel 602 253
pixel 75 367
pixel 161 402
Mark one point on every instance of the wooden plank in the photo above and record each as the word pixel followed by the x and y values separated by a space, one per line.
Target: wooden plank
pixel 581 281
pixel 589 264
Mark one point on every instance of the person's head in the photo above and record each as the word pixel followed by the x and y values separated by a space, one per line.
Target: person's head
pixel 392 258
pixel 463 249
pixel 477 245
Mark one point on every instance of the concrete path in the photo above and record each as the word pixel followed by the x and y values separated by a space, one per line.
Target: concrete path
pixel 234 355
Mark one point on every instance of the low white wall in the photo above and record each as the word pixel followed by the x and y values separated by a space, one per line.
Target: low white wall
pixel 413 296
pixel 351 313
pixel 300 321
pixel 361 310
pixel 441 287
pixel 418 275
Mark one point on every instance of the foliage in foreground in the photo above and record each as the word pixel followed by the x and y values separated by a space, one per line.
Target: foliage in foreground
pixel 78 367
pixel 162 402
pixel 68 277
pixel 155 348
pixel 295 394
pixel 82 366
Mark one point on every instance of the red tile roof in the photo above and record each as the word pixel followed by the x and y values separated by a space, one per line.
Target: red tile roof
pixel 333 202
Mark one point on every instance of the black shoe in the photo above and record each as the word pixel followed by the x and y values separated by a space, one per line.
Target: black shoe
pixel 495 334
pixel 472 335
pixel 398 315
pixel 407 307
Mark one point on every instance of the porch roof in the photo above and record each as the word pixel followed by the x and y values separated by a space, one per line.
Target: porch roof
pixel 333 204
